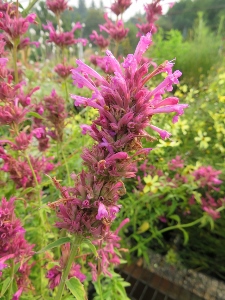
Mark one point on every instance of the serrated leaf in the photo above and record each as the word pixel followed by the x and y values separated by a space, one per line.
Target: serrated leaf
pixel 76 288
pixel 5 285
pixel 57 243
pixel 91 246
pixel 36 115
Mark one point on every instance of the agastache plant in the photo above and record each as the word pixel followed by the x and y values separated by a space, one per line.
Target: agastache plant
pixel 14 249
pixel 126 108
pixel 115 30
pixel 24 170
pixel 153 11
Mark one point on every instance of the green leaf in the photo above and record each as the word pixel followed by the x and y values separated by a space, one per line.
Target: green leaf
pixel 36 115
pixel 57 243
pixel 5 285
pixel 91 246
pixel 186 236
pixel 28 190
pixel 176 218
pixel 76 288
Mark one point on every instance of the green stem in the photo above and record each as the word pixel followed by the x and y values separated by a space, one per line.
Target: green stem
pixel 15 44
pixel 116 49
pixel 66 164
pixel 178 226
pixel 67 93
pixel 11 282
pixel 100 288
pixel 41 217
pixel 73 252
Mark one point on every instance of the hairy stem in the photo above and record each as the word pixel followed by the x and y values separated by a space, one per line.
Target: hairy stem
pixel 100 288
pixel 66 164
pixel 41 218
pixel 116 48
pixel 67 93
pixel 73 252
pixel 16 77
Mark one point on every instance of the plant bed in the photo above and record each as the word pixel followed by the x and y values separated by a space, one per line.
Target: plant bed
pixel 173 282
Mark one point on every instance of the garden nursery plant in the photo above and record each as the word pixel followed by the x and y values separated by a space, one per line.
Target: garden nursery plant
pixel 75 155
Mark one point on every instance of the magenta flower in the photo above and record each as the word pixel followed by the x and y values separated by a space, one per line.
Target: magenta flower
pixel 12 113
pixel 153 11
pixel 12 243
pixel 100 61
pixel 62 39
pixel 116 31
pixel 211 212
pixel 63 70
pixel 99 40
pixel 207 177
pixel 20 171
pixel 15 27
pixel 176 163
pixel 145 28
pixel 126 107
pixel 25 99
pixel 57 6
pixel 55 111
pixel 119 6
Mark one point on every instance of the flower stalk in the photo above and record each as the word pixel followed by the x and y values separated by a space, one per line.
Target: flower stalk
pixel 11 280
pixel 15 45
pixel 73 252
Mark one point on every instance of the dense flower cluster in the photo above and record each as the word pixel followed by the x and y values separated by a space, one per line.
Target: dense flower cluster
pixel 13 245
pixel 16 27
pixel 57 6
pixel 125 108
pixel 63 39
pixel 116 30
pixel 63 70
pixel 99 39
pixel 120 6
pixel 53 111
pixel 153 11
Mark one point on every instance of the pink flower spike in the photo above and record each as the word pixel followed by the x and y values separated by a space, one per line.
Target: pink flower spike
pixel 57 6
